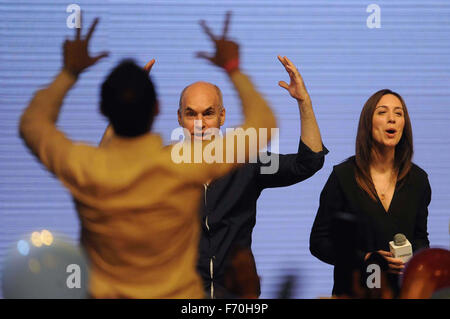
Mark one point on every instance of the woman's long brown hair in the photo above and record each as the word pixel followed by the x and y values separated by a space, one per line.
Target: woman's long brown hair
pixel 365 143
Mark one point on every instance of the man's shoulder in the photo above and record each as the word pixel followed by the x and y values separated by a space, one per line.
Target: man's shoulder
pixel 245 171
pixel 240 176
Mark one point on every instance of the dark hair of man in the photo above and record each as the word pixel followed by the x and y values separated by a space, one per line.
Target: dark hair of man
pixel 128 100
pixel 365 143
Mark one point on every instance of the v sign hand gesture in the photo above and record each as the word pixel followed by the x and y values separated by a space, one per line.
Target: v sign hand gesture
pixel 76 55
pixel 227 52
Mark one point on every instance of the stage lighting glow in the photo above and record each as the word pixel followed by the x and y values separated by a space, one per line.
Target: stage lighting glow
pixel 46 237
pixel 23 247
pixel 36 239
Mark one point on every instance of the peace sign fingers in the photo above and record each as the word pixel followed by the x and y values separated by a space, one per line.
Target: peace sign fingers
pixel 207 30
pixel 226 25
pixel 227 52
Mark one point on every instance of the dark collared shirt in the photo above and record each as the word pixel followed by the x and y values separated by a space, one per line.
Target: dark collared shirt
pixel 228 210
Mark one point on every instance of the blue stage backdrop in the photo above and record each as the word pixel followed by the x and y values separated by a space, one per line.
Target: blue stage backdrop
pixel 343 57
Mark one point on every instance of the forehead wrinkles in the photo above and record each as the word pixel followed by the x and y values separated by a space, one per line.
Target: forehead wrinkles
pixel 202 93
pixel 200 109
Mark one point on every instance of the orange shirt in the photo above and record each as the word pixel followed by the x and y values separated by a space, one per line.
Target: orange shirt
pixel 138 209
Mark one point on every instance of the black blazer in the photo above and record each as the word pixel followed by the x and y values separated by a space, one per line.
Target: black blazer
pixel 407 214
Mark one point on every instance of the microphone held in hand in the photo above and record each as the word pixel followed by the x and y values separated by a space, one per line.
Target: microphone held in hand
pixel 399 239
pixel 401 248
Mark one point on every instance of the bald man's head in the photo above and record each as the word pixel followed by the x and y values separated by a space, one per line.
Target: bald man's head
pixel 202 86
pixel 201 101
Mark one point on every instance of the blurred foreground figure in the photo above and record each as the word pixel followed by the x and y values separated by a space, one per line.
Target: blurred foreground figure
pixel 138 206
pixel 241 279
pixel 360 280
pixel 426 273
pixel 44 265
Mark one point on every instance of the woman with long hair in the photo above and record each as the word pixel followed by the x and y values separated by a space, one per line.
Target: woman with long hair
pixel 379 192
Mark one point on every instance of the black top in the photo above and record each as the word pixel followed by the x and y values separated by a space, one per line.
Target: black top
pixel 229 209
pixel 407 214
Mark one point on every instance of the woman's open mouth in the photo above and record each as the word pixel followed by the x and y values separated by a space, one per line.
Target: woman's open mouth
pixel 391 132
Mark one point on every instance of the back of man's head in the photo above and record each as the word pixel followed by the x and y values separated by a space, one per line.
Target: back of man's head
pixel 128 100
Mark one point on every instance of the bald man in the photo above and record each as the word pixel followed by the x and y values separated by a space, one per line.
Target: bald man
pixel 201 102
pixel 228 209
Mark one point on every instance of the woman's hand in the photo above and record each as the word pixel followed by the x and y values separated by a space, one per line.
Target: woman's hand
pixel 396 265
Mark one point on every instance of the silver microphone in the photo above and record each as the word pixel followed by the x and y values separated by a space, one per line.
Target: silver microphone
pixel 401 248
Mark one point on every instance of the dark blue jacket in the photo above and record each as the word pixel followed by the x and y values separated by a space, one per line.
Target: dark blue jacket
pixel 228 210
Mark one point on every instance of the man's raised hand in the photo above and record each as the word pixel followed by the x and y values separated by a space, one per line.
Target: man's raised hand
pixel 296 87
pixel 76 55
pixel 227 52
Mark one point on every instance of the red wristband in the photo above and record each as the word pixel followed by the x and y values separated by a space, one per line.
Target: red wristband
pixel 231 65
